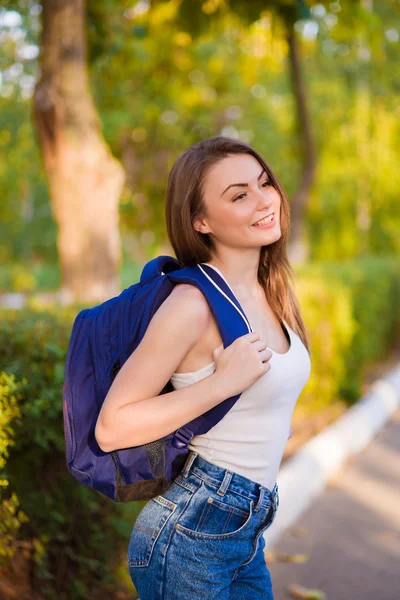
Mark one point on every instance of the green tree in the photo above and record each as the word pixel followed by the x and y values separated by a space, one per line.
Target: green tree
pixel 85 180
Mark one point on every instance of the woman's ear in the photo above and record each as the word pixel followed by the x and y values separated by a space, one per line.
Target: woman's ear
pixel 201 226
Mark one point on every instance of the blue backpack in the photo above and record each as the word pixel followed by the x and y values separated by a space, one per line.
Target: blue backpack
pixel 102 339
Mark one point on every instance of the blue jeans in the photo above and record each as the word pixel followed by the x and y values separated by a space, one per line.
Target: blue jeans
pixel 202 538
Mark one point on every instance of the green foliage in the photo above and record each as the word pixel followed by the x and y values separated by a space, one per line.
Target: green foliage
pixel 327 311
pixel 75 532
pixel 11 518
pixel 9 412
pixel 166 77
pixel 374 285
pixel 27 230
pixel 352 82
pixel 352 313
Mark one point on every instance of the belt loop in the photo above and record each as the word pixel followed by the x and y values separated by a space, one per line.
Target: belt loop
pixel 225 483
pixel 260 498
pixel 189 461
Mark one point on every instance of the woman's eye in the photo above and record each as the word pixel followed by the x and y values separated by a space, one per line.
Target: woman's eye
pixel 239 197
pixel 265 184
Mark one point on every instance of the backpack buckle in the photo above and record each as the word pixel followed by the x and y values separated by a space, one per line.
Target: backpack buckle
pixel 181 438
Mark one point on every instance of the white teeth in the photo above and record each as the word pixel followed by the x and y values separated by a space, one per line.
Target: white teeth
pixel 264 221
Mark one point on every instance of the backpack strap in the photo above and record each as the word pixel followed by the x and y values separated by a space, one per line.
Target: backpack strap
pixel 232 323
pixel 151 272
pixel 156 267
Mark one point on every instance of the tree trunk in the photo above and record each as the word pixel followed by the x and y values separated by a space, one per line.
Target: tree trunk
pixel 297 248
pixel 85 180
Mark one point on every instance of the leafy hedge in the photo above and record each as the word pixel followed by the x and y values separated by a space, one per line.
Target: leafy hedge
pixel 79 538
pixel 11 518
pixel 352 311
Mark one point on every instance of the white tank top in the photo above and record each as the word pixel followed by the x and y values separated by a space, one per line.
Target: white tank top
pixel 250 439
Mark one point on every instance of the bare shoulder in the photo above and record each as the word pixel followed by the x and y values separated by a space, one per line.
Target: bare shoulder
pixel 193 315
pixel 185 302
pixel 174 329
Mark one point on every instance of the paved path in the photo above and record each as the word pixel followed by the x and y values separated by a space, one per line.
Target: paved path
pixel 352 532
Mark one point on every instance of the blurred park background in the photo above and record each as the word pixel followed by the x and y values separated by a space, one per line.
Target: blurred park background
pixel 97 100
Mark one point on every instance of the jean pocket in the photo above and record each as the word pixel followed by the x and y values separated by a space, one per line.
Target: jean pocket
pixel 147 528
pixel 218 520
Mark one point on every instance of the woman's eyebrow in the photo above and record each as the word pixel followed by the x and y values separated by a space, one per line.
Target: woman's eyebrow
pixel 243 184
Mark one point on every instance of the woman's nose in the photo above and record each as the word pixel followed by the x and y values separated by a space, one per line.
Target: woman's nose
pixel 264 199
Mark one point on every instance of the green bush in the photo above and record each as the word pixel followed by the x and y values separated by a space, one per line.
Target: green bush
pixel 11 518
pixel 79 536
pixel 352 312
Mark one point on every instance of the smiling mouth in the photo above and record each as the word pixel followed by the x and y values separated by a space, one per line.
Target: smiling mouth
pixel 265 220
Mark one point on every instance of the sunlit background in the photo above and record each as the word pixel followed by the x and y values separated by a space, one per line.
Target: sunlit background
pixel 93 114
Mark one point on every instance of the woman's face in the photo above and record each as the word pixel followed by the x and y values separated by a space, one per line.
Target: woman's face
pixel 233 209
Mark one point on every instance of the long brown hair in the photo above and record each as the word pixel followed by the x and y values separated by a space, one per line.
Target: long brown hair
pixel 185 202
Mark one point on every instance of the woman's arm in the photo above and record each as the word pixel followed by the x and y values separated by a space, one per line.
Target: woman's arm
pixel 133 413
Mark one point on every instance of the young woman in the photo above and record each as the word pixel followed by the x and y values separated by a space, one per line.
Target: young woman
pixel 202 538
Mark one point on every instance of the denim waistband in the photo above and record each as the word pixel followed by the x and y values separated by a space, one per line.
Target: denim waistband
pixel 226 480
